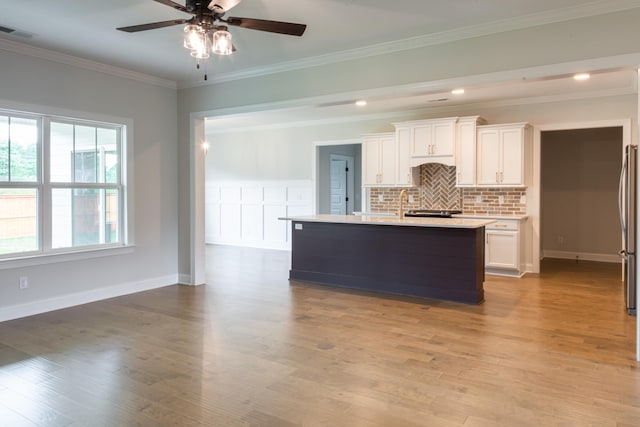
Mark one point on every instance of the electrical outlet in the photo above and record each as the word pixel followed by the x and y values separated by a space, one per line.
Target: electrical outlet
pixel 380 198
pixel 24 282
pixel 523 199
pixel 560 239
pixel 478 199
pixel 411 199
pixel 501 199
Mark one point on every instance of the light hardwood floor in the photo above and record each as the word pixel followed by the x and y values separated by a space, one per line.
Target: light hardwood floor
pixel 252 349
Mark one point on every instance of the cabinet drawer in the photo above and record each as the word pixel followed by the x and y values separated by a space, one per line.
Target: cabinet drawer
pixel 503 225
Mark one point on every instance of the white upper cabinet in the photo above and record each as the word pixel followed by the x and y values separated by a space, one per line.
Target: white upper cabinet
pixel 466 150
pixel 430 140
pixel 386 159
pixel 501 154
pixel 379 159
pixel 406 176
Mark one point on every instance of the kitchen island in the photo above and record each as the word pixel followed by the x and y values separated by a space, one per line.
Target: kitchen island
pixel 441 258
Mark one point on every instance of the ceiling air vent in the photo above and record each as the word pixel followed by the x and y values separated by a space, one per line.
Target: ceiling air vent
pixel 6 30
pixel 15 32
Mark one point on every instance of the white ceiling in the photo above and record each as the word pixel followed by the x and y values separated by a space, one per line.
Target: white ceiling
pixel 559 87
pixel 86 29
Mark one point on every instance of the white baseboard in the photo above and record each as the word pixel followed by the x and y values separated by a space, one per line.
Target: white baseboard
pixel 184 279
pixel 505 273
pixel 70 300
pixel 285 246
pixel 583 256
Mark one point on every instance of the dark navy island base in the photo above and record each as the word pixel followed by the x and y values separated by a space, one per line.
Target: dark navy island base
pixel 430 262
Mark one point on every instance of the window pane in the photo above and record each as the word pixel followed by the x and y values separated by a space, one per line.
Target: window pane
pixel 18 220
pixel 23 150
pixel 4 148
pixel 111 225
pixel 83 217
pixel 61 152
pixel 108 151
pixel 85 168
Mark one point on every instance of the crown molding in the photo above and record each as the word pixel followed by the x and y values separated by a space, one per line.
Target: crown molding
pixel 548 17
pixel 63 58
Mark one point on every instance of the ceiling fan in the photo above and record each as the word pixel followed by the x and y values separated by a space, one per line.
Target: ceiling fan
pixel 207 30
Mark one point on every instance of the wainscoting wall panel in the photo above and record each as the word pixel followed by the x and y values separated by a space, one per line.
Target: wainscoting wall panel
pixel 246 213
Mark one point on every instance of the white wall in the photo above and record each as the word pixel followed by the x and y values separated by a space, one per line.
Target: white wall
pixel 30 83
pixel 247 213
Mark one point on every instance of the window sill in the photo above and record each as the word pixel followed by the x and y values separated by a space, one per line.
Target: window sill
pixel 68 256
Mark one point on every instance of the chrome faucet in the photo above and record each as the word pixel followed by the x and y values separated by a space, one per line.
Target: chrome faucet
pixel 403 193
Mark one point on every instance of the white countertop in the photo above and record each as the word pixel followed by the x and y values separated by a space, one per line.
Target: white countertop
pixel 393 220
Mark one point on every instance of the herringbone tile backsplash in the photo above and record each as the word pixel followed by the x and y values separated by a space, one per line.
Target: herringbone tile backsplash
pixel 438 187
pixel 438 190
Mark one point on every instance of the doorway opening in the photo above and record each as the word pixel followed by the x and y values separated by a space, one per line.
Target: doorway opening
pixel 338 178
pixel 579 219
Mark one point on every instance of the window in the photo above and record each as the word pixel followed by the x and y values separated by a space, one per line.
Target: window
pixel 61 185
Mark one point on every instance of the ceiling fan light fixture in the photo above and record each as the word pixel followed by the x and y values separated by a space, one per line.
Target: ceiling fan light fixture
pixel 193 37
pixel 222 44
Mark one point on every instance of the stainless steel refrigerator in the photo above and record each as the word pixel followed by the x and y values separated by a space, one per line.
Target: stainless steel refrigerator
pixel 627 206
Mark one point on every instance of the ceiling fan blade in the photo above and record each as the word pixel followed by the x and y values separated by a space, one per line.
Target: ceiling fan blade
pixel 288 28
pixel 221 6
pixel 153 25
pixel 173 5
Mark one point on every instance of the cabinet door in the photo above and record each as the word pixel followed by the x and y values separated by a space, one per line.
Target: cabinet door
pixel 443 139
pixel 388 160
pixel 371 161
pixel 403 172
pixel 512 171
pixel 466 154
pixel 422 140
pixel 501 250
pixel 488 161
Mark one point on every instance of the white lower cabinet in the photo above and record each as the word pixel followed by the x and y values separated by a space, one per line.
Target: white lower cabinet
pixel 503 253
pixel 501 249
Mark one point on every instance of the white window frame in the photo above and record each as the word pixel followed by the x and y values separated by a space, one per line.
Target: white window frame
pixel 45 254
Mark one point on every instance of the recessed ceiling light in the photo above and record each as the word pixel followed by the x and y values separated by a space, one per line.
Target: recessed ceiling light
pixel 582 76
pixel 361 103
pixel 457 91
